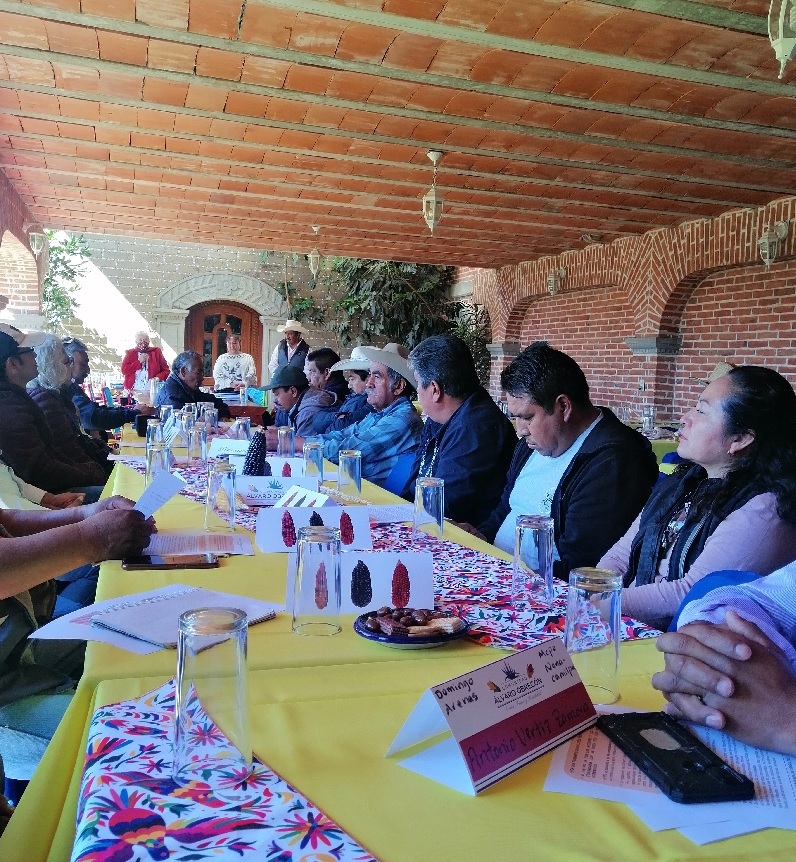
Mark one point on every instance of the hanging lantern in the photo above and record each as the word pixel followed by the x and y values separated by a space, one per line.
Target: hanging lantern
pixel 782 31
pixel 314 257
pixel 432 202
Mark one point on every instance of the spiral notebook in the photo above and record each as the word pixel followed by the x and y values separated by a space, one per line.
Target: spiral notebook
pixel 155 619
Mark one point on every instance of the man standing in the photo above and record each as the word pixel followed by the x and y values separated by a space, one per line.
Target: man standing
pixel 297 400
pixel 233 369
pixel 292 349
pixel 467 440
pixel 93 416
pixel 182 385
pixel 575 462
pixel 142 363
pixel 392 430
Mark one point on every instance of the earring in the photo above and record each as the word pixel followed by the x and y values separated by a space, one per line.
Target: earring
pixel 729 451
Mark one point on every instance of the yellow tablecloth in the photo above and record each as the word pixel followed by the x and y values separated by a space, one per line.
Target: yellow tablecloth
pixel 324 712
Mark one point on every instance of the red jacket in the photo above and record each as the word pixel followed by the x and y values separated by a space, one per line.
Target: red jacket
pixel 156 365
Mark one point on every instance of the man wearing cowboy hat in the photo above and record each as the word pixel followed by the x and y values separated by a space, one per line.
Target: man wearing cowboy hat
pixel 392 430
pixel 292 349
pixel 355 406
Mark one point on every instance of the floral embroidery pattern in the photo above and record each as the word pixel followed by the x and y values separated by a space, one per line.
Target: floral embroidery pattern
pixel 130 808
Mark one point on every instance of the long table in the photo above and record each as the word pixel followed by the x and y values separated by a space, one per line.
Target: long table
pixel 324 712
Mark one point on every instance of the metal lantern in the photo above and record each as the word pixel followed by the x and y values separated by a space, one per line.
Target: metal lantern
pixel 314 258
pixel 768 244
pixel 432 202
pixel 36 240
pixel 782 31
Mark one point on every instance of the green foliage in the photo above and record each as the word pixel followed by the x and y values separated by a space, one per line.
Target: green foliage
pixel 66 261
pixel 301 308
pixel 401 302
pixel 472 326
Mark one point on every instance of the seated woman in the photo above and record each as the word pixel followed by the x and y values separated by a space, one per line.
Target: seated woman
pixel 732 506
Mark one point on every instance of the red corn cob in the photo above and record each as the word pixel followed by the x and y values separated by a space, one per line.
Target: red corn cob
pixel 286 471
pixel 288 530
pixel 346 529
pixel 321 588
pixel 400 586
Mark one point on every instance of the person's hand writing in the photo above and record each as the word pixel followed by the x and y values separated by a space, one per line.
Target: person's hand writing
pixel 731 677
pixel 61 501
pixel 117 533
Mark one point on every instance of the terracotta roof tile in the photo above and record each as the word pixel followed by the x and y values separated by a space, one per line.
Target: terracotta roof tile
pixel 171 14
pixel 122 48
pixel 71 39
pixel 29 71
pixel 213 18
pixel 206 98
pixel 266 25
pixel 172 56
pixel 364 43
pixel 212 63
pixel 123 10
pixel 412 52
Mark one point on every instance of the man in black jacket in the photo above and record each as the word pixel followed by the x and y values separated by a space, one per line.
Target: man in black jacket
pixel 182 385
pixel 575 462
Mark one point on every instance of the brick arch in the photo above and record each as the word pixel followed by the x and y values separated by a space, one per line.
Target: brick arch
pixel 19 276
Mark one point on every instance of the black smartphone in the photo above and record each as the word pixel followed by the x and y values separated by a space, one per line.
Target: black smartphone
pixel 171 561
pixel 668 753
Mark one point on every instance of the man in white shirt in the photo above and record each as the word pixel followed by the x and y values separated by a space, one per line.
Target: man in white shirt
pixel 233 369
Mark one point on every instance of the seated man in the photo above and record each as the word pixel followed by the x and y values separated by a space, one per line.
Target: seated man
pixel 297 402
pixel 70 440
pixel 34 548
pixel 575 462
pixel 355 406
pixel 319 370
pixel 233 369
pixel 182 385
pixel 732 663
pixel 95 417
pixel 392 430
pixel 467 440
pixel 26 441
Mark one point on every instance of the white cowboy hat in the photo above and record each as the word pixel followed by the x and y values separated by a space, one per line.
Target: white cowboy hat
pixel 720 370
pixel 394 356
pixel 357 362
pixel 292 326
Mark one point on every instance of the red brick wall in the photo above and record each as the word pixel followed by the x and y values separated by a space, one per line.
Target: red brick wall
pixel 18 277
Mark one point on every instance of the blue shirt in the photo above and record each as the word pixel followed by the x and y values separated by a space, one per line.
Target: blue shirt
pixel 94 416
pixel 381 437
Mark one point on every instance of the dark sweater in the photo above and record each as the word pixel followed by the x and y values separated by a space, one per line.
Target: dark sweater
pixel 605 486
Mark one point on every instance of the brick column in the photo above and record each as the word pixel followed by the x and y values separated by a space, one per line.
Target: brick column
pixel 501 353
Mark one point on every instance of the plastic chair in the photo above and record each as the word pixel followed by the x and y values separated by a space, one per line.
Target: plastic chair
pixel 724 578
pixel 399 474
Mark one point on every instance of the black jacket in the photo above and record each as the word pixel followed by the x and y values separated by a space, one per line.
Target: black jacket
pixel 176 393
pixel 605 486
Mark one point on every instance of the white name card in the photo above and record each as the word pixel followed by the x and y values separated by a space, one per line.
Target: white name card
pixel 277 528
pixel 500 717
pixel 367 579
pixel 269 490
pixel 227 446
pixel 284 468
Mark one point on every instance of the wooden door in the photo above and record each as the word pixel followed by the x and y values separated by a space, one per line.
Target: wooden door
pixel 206 329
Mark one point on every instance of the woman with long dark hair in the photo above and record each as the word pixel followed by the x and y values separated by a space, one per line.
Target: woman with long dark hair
pixel 731 506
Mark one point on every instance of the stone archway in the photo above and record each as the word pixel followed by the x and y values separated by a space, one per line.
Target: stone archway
pixel 173 304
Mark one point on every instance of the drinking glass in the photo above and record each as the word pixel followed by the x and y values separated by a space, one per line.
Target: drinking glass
pixel 313 459
pixel 349 472
pixel 317 590
pixel 154 431
pixel 592 632
pixel 211 419
pixel 285 442
pixel 429 506
pixel 197 445
pixel 244 398
pixel 212 682
pixel 166 411
pixel 648 419
pixel 157 461
pixel 220 502
pixel 243 428
pixel 189 409
pixel 533 560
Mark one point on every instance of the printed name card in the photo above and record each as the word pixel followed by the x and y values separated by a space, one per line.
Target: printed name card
pixel 500 717
pixel 277 528
pixel 369 579
pixel 285 467
pixel 298 496
pixel 227 446
pixel 270 490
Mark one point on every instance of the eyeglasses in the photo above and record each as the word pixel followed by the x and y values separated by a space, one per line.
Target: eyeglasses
pixel 21 351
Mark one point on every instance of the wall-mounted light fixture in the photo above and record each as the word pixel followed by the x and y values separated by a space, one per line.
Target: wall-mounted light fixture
pixel 314 257
pixel 555 280
pixel 592 238
pixel 782 31
pixel 432 202
pixel 36 237
pixel 769 243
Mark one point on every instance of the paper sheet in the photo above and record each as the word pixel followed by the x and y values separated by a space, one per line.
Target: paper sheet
pixel 200 543
pixel 391 514
pixel 592 766
pixel 158 492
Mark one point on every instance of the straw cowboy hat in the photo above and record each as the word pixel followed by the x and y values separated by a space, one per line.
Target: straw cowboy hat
pixel 292 326
pixel 357 362
pixel 720 370
pixel 394 356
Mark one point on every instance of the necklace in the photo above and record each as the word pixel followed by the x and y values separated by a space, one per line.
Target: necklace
pixel 678 520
